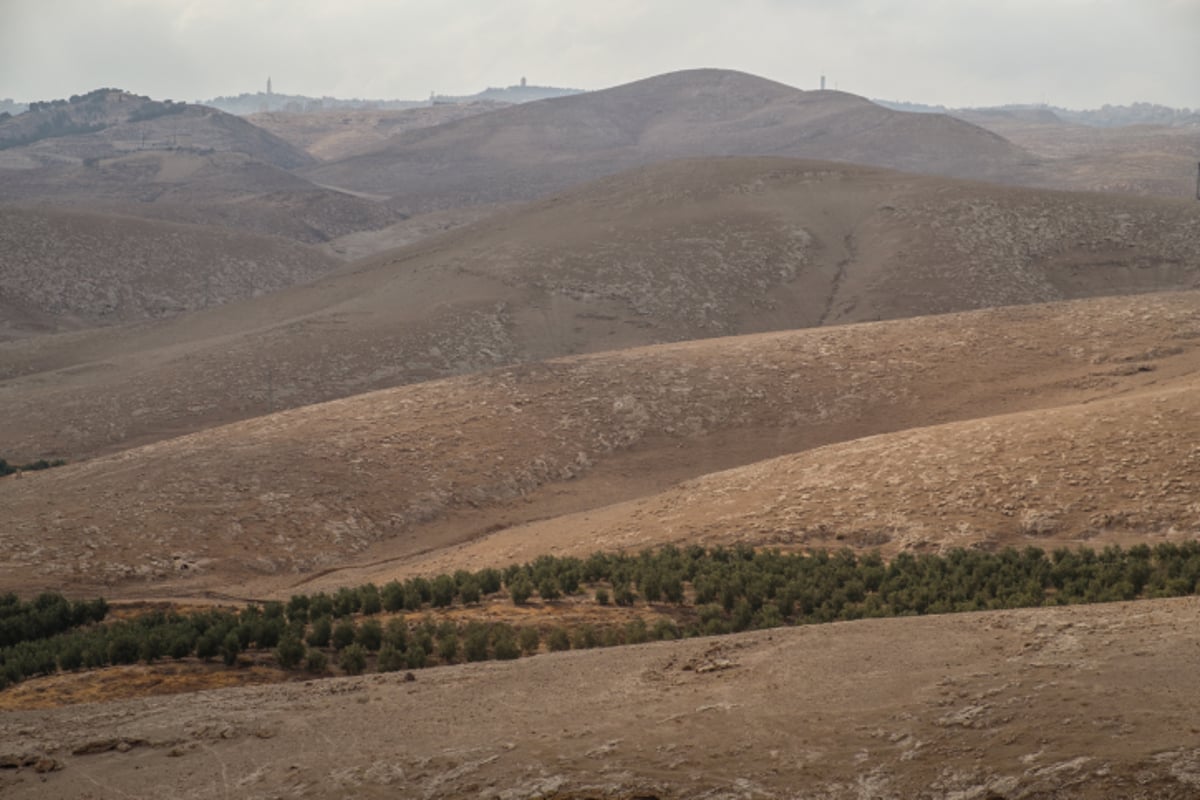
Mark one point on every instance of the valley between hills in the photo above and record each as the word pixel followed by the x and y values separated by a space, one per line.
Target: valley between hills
pixel 697 437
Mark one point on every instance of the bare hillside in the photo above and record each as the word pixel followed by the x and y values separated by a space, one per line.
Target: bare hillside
pixel 110 122
pixel 182 185
pixel 681 251
pixel 1113 471
pixel 340 133
pixel 526 151
pixel 1138 159
pixel 1078 703
pixel 393 474
pixel 68 269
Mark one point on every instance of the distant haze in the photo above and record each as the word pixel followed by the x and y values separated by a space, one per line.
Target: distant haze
pixel 1074 53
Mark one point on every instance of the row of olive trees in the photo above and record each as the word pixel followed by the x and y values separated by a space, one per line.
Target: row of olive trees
pixel 695 592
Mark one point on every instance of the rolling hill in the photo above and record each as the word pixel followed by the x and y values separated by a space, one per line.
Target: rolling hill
pixel 1137 159
pixel 203 188
pixel 529 150
pixel 339 133
pixel 109 122
pixel 61 270
pixel 681 251
pixel 383 477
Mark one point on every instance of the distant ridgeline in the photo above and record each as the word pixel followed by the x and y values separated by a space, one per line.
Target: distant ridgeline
pixel 521 93
pixel 81 113
pixel 258 102
pixel 1106 116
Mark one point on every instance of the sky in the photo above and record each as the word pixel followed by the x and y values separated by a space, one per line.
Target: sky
pixel 1071 53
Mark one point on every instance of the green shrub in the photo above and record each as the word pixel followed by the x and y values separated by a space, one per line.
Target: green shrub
pixel 390 659
pixel 504 643
pixel 396 634
pixel 370 635
pixel 353 659
pixel 558 639
pixel 316 662
pixel 447 646
pixel 416 658
pixel 321 632
pixel 520 590
pixel 585 637
pixel 343 634
pixel 290 652
pixel 548 588
pixel 529 640
pixel 231 648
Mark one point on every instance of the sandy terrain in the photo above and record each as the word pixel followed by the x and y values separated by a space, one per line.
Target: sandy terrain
pixel 1081 702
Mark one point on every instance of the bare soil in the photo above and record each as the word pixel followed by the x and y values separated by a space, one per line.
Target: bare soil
pixel 682 251
pixel 1079 702
pixel 388 476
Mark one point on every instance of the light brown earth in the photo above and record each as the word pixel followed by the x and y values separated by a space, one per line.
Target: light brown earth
pixel 1065 703
pixel 675 252
pixel 1048 425
pixel 532 149
pixel 1138 159
pixel 118 131
pixel 228 189
pixel 63 270
pixel 387 476
pixel 340 133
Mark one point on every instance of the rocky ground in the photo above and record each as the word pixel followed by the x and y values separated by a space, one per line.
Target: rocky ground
pixel 1079 702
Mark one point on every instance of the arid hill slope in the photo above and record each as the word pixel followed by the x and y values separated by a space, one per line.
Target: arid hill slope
pixel 70 269
pixel 1121 470
pixel 526 151
pixel 396 473
pixel 181 185
pixel 1138 159
pixel 110 122
pixel 340 133
pixel 1078 703
pixel 680 251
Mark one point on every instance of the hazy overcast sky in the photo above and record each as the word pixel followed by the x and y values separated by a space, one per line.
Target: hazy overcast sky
pixel 1075 53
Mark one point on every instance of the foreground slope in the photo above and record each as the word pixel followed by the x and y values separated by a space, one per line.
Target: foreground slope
pixel 1118 471
pixel 393 474
pixel 529 150
pixel 680 251
pixel 69 269
pixel 1071 703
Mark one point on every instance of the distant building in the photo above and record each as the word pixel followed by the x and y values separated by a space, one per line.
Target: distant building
pixel 522 82
pixel 268 84
pixel 822 83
